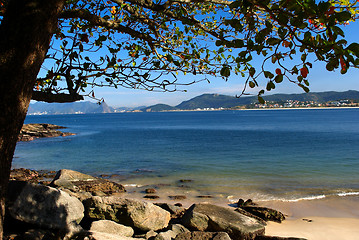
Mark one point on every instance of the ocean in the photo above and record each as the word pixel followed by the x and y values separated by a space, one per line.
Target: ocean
pixel 287 155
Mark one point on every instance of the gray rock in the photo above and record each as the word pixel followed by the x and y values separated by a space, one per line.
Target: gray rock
pixel 47 207
pixel 150 234
pixel 175 211
pixel 178 228
pixel 208 217
pixel 108 236
pixel 267 214
pixel 111 227
pixel 72 176
pixel 203 236
pixel 168 235
pixel 144 216
pixel 76 181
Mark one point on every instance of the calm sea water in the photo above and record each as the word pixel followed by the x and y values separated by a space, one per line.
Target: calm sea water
pixel 271 154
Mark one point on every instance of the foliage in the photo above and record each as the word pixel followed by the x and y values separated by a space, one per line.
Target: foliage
pixel 148 44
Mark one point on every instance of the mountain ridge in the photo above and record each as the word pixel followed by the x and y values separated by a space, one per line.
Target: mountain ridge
pixel 204 101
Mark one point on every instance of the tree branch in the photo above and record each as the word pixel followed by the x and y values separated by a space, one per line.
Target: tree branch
pixel 101 22
pixel 58 97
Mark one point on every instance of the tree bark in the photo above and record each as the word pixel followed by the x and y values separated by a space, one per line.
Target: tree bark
pixel 25 35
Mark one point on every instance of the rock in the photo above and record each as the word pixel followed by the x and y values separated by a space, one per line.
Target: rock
pixel 168 235
pixel 203 236
pixel 144 216
pixel 47 207
pixel 175 211
pixel 73 176
pixel 111 227
pixel 31 131
pixel 267 214
pixel 150 234
pixel 151 197
pixel 205 196
pixel 23 174
pixel 178 228
pixel 208 217
pixel 150 190
pixel 107 236
pixel 241 203
pixel 76 181
pixel 177 197
pixel 244 212
pixel 185 180
pixel 37 234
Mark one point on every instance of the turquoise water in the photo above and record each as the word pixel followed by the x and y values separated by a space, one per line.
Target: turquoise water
pixel 263 154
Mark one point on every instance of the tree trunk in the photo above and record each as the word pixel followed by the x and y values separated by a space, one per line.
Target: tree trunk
pixel 25 35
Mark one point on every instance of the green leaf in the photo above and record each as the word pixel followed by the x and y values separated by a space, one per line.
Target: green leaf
pixel 278 78
pixel 268 74
pixel 338 30
pixel 273 41
pixel 252 71
pixel 354 47
pixel 343 16
pixel 251 84
pixel 225 71
pixel 261 100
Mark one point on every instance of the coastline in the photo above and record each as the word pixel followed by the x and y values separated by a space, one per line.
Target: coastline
pixel 330 218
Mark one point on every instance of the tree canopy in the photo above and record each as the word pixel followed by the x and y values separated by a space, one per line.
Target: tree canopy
pixel 148 44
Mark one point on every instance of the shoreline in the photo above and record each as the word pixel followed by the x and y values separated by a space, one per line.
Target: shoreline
pixel 329 218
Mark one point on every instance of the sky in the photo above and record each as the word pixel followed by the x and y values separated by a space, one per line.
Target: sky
pixel 320 80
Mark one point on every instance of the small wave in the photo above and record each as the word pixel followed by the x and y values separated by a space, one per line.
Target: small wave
pixel 132 185
pixel 305 198
pixel 343 194
pixel 295 199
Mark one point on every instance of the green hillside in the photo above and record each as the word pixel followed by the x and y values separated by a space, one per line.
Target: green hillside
pixel 223 101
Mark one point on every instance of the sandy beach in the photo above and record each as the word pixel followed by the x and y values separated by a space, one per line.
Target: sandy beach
pixel 331 218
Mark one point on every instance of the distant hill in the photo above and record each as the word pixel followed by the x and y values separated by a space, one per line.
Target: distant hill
pixel 224 101
pixel 68 108
pixel 200 102
pixel 159 108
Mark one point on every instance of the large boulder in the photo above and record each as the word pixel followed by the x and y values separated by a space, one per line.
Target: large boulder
pixel 251 209
pixel 144 216
pixel 76 181
pixel 111 227
pixel 208 217
pixel 267 214
pixel 47 207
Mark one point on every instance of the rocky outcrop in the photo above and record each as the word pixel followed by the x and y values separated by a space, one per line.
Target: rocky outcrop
pixel 23 174
pixel 76 181
pixel 47 207
pixel 264 213
pixel 40 212
pixel 107 226
pixel 140 215
pixel 30 132
pixel 208 217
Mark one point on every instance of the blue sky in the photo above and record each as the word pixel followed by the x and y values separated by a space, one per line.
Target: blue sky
pixel 320 80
